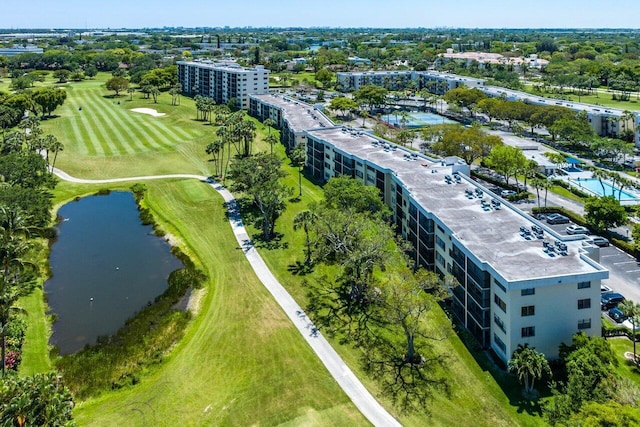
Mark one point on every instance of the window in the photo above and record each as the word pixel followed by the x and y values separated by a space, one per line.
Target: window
pixel 584 285
pixel 440 258
pixel 499 343
pixel 500 303
pixel 584 324
pixel 584 303
pixel 500 285
pixel 498 321
pixel 440 242
pixel 528 291
pixel 528 331
pixel 528 310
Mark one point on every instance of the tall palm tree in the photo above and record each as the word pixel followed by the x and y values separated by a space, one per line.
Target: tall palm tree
pixel 305 219
pixel 631 310
pixel 269 123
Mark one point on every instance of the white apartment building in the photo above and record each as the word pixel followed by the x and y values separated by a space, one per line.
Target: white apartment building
pixel 514 287
pixel 222 81
pixel 291 116
pixel 604 121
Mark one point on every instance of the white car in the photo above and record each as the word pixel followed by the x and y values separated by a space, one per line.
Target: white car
pixel 597 240
pixel 577 229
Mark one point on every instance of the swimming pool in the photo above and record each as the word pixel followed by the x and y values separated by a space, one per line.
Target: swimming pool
pixel 594 186
pixel 417 119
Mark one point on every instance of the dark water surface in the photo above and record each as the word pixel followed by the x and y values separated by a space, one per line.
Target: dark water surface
pixel 104 253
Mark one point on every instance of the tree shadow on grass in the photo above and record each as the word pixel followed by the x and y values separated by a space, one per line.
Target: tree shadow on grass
pixel 300 268
pixel 274 243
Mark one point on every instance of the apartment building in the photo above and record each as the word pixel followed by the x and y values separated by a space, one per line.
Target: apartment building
pixel 222 81
pixel 291 116
pixel 515 285
pixel 519 281
pixel 604 121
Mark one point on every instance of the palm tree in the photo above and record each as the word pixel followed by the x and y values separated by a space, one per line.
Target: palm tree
pixel 269 123
pixel 214 150
pixel 538 183
pixel 271 139
pixel 364 115
pixel 528 365
pixel 131 91
pixel 298 157
pixel 600 174
pixel 305 219
pixel 56 147
pixel 631 310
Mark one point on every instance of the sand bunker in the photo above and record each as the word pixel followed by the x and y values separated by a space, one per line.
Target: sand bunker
pixel 149 111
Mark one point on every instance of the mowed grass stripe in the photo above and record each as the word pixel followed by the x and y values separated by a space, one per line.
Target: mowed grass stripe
pixel 154 134
pixel 94 145
pixel 95 126
pixel 106 117
pixel 70 122
pixel 142 128
pixel 103 130
pixel 128 135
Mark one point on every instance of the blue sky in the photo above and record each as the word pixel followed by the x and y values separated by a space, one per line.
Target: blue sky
pixel 331 13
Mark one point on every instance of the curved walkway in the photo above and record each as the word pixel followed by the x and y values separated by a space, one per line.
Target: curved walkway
pixel 345 378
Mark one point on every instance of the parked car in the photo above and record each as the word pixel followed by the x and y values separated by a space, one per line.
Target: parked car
pixel 577 229
pixel 617 315
pixel 605 288
pixel 557 218
pixel 608 300
pixel 597 240
pixel 507 193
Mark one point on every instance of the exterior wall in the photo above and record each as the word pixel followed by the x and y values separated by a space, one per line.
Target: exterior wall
pixel 222 82
pixel 556 314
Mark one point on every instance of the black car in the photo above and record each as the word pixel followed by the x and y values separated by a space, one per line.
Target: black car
pixel 609 300
pixel 617 315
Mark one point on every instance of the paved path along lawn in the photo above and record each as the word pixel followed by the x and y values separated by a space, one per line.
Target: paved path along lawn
pixel 347 380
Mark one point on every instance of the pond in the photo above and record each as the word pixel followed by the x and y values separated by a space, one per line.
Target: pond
pixel 105 267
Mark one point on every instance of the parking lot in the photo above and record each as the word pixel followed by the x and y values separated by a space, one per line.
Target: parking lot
pixel 624 272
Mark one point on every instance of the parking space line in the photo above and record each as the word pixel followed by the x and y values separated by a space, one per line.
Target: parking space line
pixel 633 271
pixel 624 262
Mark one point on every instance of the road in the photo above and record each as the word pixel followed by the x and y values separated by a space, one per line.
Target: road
pixel 346 379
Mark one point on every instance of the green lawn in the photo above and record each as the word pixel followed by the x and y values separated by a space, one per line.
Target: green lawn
pixel 106 138
pixel 603 99
pixel 626 369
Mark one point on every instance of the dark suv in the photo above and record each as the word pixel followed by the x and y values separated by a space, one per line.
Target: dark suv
pixel 608 300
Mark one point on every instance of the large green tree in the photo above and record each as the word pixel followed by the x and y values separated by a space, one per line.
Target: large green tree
pixel 117 84
pixel 603 213
pixel 259 177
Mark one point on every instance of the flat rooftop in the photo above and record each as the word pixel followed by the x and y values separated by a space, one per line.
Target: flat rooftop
pixel 540 100
pixel 492 235
pixel 226 66
pixel 300 115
